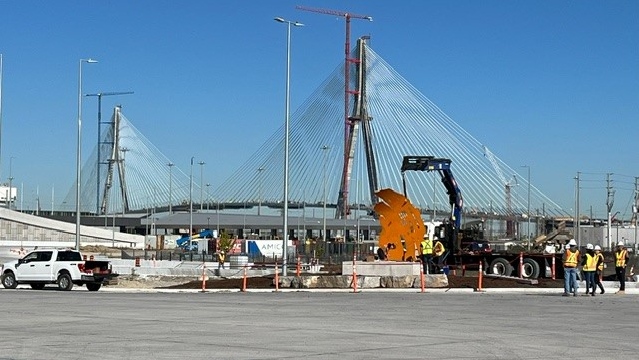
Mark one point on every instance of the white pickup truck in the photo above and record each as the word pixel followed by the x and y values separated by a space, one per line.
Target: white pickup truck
pixel 51 266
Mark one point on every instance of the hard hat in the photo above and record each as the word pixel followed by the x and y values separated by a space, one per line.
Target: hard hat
pixel 597 247
pixel 620 243
pixel 589 247
pixel 572 242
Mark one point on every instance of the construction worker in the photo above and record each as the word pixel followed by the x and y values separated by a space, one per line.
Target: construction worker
pixel 427 253
pixel 570 260
pixel 599 263
pixel 404 250
pixel 382 253
pixel 438 251
pixel 589 268
pixel 221 258
pixel 621 260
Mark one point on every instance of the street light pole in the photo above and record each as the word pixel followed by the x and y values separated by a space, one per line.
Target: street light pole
pixel 1 72
pixel 170 165
pixel 259 195
pixel 79 153
pixel 125 203
pixel 201 163
pixel 286 136
pixel 10 197
pixel 208 197
pixel 635 209
pixel 191 206
pixel 99 96
pixel 528 208
pixel 325 149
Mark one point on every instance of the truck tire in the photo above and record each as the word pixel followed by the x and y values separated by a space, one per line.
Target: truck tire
pixel 93 286
pixel 501 266
pixel 530 269
pixel 64 282
pixel 37 286
pixel 9 280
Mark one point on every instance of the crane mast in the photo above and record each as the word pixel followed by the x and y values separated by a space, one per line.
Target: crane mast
pixel 343 208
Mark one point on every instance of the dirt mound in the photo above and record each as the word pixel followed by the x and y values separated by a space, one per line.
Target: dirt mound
pixel 148 282
pixel 100 250
pixel 251 283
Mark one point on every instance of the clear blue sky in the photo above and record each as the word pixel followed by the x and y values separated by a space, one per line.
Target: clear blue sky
pixel 551 84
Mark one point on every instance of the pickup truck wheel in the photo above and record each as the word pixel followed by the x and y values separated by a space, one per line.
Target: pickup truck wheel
pixel 9 280
pixel 93 286
pixel 37 286
pixel 64 282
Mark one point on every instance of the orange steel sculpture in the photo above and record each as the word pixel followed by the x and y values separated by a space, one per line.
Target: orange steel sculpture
pixel 402 225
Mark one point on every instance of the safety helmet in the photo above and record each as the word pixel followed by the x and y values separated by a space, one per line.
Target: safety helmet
pixel 572 242
pixel 597 247
pixel 620 243
pixel 589 247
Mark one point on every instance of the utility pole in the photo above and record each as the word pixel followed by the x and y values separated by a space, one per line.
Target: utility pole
pixel 610 201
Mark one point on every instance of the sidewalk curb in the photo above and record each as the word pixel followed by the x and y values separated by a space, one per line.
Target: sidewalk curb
pixel 556 291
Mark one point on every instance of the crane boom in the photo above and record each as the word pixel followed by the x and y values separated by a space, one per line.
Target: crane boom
pixel 334 12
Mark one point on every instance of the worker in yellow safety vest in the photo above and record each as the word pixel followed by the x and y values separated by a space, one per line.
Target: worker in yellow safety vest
pixel 599 264
pixel 221 258
pixel 621 260
pixel 570 260
pixel 427 253
pixel 589 268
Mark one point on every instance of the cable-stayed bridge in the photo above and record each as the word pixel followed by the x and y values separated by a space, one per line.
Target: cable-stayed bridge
pixel 396 120
pixel 389 118
pixel 134 174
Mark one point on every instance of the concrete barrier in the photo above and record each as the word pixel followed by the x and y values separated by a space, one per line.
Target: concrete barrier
pixel 382 268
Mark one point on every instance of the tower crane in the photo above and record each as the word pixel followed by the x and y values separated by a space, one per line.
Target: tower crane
pixel 508 184
pixel 343 210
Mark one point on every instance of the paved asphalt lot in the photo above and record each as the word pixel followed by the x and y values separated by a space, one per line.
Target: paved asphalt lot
pixel 51 324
